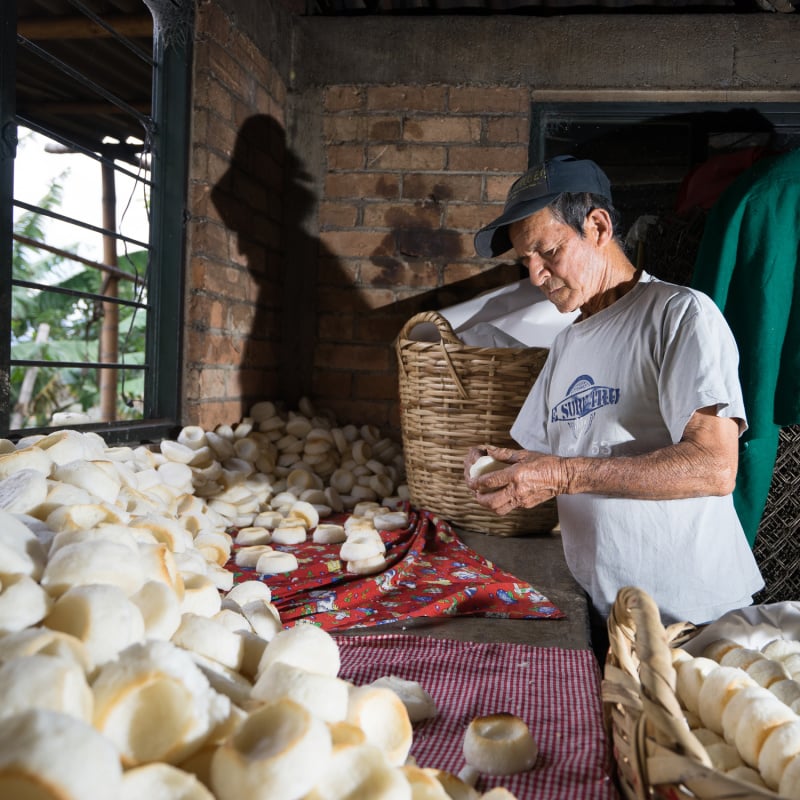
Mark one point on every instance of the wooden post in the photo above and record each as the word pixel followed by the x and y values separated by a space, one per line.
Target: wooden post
pixel 109 334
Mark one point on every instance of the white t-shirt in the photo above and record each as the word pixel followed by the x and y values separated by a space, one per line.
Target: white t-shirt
pixel 626 381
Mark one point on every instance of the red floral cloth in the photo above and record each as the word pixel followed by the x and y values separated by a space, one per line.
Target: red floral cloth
pixel 429 572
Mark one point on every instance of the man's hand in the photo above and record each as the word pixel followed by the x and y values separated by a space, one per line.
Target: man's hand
pixel 529 479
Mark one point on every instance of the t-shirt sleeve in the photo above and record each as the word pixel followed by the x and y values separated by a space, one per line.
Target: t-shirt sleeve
pixel 699 366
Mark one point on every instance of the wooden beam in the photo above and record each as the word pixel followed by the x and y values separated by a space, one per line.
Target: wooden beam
pixel 38 30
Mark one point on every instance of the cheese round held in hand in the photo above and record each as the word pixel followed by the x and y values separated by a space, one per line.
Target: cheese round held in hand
pixel 484 465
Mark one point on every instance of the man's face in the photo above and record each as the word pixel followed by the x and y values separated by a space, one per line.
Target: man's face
pixel 564 265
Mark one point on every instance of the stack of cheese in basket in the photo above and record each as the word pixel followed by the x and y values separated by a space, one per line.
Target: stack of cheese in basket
pixel 131 667
pixel 743 705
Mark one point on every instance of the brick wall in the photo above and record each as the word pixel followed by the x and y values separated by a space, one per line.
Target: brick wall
pixel 411 173
pixel 234 287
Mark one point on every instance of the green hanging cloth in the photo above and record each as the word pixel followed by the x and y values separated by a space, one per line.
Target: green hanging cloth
pixel 747 263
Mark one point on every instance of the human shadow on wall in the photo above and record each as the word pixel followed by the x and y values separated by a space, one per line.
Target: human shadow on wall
pixel 416 246
pixel 266 198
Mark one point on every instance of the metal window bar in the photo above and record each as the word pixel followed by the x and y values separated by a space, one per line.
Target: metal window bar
pixel 145 121
pixel 81 364
pixel 77 223
pixel 25 122
pixel 123 40
pixel 114 271
pixel 97 298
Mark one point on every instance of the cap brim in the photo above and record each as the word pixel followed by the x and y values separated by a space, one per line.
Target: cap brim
pixel 493 240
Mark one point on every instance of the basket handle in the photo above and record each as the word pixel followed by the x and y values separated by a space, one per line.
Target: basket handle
pixel 635 617
pixel 446 337
pixel 442 325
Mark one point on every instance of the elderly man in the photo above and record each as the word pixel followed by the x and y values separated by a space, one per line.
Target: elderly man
pixel 633 422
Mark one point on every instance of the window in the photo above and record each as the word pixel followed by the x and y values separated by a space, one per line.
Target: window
pixel 93 170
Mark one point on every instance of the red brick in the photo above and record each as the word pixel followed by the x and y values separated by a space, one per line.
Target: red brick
pixel 375 387
pixel 221 134
pixel 217 167
pixel 362 412
pixel 406 156
pixel 442 186
pixel 408 98
pixel 442 129
pixel 343 98
pixel 209 414
pixel 253 60
pixel 208 238
pixel 358 358
pixel 362 185
pixel 207 310
pixel 503 159
pixel 382 327
pixel 462 271
pixel 211 349
pixel 227 70
pixel 352 243
pixel 375 298
pixel 338 128
pixel 397 273
pixel 335 327
pixel 257 384
pixel 199 159
pixel 212 21
pixel 199 202
pixel 507 129
pixel 345 156
pixel 331 384
pixel 383 129
pixel 389 215
pixel 468 217
pixel 337 272
pixel 495 100
pixel 337 215
pixel 261 355
pixel 338 300
pixel 240 318
pixel 209 93
pixel 278 89
pixel 497 186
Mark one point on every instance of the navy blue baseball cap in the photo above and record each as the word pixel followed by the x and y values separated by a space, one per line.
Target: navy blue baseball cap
pixel 537 188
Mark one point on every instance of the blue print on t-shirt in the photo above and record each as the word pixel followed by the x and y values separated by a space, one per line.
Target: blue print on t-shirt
pixel 582 400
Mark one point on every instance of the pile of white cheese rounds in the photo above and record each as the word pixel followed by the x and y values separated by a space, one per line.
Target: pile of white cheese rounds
pixel 743 706
pixel 130 664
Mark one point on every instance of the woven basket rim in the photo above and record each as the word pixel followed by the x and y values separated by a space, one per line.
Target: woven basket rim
pixel 644 715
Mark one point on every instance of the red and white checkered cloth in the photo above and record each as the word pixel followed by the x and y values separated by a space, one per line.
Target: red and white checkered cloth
pixel 556 692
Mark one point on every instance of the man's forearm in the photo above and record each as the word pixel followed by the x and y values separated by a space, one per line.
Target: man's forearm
pixel 675 472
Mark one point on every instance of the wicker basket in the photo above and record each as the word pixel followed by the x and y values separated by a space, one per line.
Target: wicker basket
pixel 656 754
pixel 453 397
